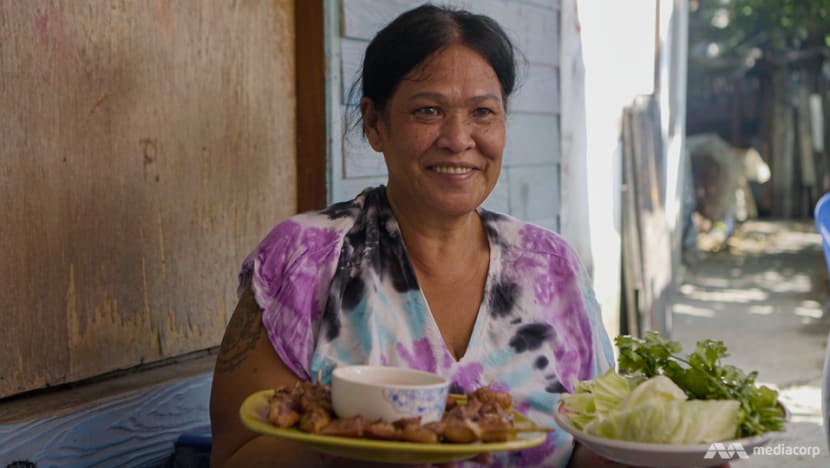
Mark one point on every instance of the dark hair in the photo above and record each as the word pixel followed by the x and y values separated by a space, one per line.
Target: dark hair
pixel 418 33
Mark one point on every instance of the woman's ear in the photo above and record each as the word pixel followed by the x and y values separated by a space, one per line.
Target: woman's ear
pixel 371 123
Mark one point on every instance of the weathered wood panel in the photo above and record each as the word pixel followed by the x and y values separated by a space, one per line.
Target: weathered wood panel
pixel 633 287
pixel 536 31
pixel 363 18
pixel 134 430
pixel 351 56
pixel 539 93
pixel 147 147
pixel 532 139
pixel 534 191
pixel 554 4
pixel 359 158
pixel 647 242
pixel 499 198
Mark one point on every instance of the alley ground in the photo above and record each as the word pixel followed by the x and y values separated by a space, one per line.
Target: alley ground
pixel 765 295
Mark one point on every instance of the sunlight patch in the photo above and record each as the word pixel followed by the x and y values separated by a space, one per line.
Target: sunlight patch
pixel 761 309
pixel 686 309
pixel 810 312
pixel 804 403
pixel 730 295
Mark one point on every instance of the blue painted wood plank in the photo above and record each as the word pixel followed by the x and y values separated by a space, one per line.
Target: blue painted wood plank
pixel 532 139
pixel 534 192
pixel 137 429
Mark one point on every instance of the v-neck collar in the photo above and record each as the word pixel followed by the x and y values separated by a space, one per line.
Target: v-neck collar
pixel 471 353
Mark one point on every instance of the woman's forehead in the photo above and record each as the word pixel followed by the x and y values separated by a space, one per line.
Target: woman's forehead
pixel 453 66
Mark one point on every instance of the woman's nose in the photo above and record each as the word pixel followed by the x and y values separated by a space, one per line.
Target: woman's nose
pixel 457 133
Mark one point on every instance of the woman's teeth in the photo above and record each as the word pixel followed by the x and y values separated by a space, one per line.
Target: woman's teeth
pixel 451 169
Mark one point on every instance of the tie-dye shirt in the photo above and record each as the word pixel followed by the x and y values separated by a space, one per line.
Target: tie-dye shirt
pixel 337 287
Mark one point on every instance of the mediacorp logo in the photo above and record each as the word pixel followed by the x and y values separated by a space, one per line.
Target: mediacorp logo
pixel 729 450
pixel 726 451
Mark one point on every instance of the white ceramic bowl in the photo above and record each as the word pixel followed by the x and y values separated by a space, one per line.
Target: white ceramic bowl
pixel 388 393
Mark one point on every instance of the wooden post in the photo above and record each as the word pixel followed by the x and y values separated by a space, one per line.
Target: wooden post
pixel 310 62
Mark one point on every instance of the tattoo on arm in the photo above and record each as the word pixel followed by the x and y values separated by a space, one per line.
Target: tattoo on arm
pixel 242 333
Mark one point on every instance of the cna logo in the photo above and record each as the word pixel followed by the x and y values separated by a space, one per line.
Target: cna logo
pixel 726 451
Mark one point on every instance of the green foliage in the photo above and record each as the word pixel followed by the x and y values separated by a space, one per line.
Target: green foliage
pixel 702 376
pixel 774 25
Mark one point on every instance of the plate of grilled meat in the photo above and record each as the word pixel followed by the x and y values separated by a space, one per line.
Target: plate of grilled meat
pixel 480 422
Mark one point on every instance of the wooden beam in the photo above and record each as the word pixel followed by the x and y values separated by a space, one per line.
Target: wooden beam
pixel 310 60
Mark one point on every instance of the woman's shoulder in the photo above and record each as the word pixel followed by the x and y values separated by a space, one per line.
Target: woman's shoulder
pixel 313 230
pixel 523 236
pixel 303 243
pixel 309 231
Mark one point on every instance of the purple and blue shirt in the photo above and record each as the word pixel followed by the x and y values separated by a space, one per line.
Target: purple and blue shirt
pixel 338 288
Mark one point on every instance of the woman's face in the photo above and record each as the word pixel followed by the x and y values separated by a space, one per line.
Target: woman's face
pixel 442 134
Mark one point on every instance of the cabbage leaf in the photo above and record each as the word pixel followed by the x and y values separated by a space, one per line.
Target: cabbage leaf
pixel 671 422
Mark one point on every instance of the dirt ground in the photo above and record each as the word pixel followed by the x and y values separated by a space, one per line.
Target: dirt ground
pixel 765 293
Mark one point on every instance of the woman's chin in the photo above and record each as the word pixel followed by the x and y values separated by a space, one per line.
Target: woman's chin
pixel 440 202
pixel 455 206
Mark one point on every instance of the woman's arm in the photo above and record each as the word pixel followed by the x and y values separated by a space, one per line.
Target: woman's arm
pixel 247 363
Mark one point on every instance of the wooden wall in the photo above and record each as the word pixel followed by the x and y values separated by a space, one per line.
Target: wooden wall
pixel 145 148
pixel 529 185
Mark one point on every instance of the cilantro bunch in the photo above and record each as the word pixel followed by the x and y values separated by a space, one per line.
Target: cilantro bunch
pixel 702 376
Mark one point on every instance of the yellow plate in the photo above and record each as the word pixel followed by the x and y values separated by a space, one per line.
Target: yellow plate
pixel 254 412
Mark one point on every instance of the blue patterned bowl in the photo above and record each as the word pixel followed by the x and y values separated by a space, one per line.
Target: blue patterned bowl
pixel 388 393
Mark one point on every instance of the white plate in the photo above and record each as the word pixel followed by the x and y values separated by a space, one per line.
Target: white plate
pixel 664 455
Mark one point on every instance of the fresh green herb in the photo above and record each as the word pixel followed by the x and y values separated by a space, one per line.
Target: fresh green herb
pixel 702 376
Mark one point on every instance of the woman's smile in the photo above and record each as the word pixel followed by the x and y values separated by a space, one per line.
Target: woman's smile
pixel 453 170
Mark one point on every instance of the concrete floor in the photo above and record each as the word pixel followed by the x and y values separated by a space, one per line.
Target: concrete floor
pixel 765 295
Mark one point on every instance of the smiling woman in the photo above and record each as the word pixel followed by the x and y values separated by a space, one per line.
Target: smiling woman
pixel 442 135
pixel 415 273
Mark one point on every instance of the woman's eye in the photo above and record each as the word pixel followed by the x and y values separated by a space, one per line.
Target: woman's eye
pixel 483 112
pixel 427 111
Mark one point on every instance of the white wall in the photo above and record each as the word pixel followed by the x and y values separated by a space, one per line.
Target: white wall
pixel 609 57
pixel 529 187
pixel 672 71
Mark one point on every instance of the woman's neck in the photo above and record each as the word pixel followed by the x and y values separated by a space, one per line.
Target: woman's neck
pixel 441 244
